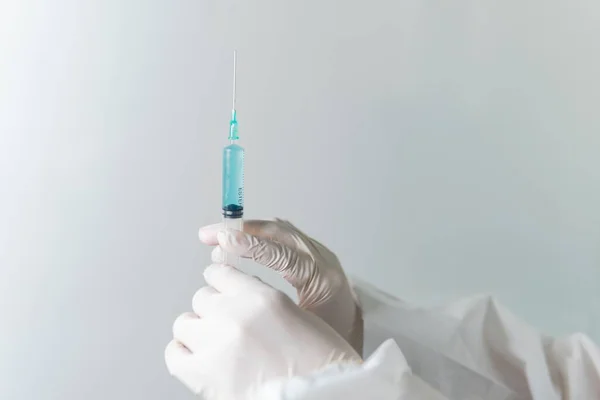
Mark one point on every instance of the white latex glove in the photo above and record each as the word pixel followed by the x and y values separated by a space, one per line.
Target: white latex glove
pixel 306 264
pixel 244 333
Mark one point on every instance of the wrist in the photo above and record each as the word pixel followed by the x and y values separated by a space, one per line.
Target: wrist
pixel 343 313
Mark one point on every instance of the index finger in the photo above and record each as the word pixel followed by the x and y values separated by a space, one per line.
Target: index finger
pixel 276 230
pixel 208 234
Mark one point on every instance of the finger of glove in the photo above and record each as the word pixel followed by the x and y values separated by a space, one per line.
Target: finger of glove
pixel 185 330
pixel 277 229
pixel 295 267
pixel 208 234
pixel 176 356
pixel 205 301
pixel 217 255
pixel 229 280
pixel 180 363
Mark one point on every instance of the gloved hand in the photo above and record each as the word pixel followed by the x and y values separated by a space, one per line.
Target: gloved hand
pixel 244 333
pixel 306 264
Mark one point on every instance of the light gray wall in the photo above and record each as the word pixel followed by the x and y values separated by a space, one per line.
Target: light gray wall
pixel 441 148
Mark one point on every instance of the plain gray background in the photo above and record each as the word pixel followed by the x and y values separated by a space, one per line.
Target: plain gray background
pixel 440 148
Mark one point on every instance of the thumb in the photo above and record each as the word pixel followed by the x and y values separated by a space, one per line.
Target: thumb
pixel 295 267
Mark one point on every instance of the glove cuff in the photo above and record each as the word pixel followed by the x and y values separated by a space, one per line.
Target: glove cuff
pixel 377 378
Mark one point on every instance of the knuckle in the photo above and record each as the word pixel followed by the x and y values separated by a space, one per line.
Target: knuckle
pixel 270 299
pixel 180 323
pixel 183 317
pixel 200 293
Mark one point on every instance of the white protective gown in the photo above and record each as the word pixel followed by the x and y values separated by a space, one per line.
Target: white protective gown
pixel 472 349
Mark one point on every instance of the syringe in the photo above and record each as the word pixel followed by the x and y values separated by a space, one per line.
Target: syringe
pixel 233 176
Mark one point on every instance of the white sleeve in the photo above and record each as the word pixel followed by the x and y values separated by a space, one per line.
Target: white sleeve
pixel 575 363
pixel 476 348
pixel 383 376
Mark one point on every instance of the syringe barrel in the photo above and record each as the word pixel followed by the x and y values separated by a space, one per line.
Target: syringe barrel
pixel 233 193
pixel 233 181
pixel 237 224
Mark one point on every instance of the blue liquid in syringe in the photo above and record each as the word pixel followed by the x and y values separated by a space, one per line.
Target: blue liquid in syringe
pixel 233 180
